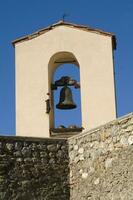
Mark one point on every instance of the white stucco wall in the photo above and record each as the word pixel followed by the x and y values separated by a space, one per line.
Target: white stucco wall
pixel 94 54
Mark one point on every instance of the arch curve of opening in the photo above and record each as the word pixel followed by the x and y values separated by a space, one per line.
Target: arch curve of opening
pixel 58 59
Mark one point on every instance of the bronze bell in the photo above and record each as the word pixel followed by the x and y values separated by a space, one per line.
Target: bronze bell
pixel 66 100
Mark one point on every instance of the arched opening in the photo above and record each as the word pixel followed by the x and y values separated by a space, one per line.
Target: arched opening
pixel 64 64
pixel 68 117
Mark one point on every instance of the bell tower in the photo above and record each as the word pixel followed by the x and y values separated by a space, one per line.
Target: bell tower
pixel 38 55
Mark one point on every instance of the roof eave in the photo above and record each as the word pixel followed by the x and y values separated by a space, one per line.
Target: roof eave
pixel 62 23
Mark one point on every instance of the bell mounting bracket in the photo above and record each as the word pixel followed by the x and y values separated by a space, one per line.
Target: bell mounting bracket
pixel 65 81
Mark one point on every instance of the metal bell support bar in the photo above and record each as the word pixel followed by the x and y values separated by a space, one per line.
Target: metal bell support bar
pixel 65 80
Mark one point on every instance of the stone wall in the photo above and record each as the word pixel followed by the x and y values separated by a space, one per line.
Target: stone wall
pixel 33 169
pixel 101 162
pixel 96 165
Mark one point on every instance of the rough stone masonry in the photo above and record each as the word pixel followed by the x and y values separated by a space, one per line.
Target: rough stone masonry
pixel 96 165
pixel 33 169
pixel 101 162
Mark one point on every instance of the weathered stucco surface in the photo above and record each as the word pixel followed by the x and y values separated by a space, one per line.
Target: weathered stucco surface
pixel 96 165
pixel 35 62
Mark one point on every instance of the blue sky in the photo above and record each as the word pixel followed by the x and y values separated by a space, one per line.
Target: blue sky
pixel 18 18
